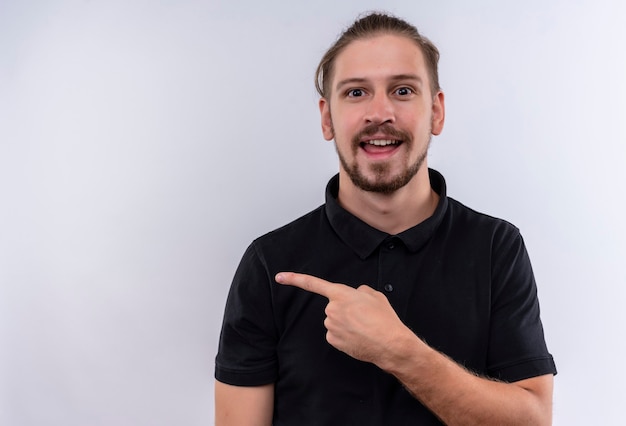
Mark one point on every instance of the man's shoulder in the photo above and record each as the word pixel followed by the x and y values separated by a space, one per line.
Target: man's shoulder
pixel 465 216
pixel 303 227
pixel 480 235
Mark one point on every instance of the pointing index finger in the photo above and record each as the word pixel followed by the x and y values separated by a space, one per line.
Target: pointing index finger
pixel 309 283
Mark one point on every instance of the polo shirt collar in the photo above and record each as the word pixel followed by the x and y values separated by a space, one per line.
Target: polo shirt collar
pixel 363 239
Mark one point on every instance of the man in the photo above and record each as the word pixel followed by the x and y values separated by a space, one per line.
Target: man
pixel 391 304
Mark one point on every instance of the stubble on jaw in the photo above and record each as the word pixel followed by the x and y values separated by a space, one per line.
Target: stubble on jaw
pixel 381 183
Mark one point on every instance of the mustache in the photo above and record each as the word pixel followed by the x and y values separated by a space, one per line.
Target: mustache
pixel 385 129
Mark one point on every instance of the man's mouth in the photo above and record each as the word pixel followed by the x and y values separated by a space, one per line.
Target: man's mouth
pixel 381 142
pixel 378 147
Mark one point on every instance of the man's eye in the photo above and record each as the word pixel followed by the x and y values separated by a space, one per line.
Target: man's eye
pixel 355 93
pixel 404 91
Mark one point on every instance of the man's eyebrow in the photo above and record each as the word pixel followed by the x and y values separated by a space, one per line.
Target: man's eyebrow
pixel 412 77
pixel 353 80
pixel 394 78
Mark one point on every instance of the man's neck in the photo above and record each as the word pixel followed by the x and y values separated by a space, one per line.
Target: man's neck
pixel 390 213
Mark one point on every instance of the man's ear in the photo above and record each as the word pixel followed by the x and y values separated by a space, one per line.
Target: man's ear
pixel 439 113
pixel 327 122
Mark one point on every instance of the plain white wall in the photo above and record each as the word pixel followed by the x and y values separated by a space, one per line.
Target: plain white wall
pixel 144 144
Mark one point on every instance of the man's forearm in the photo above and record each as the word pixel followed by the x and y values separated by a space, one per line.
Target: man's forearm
pixel 243 405
pixel 459 397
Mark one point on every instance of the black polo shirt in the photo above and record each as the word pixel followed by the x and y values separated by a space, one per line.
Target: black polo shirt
pixel 461 280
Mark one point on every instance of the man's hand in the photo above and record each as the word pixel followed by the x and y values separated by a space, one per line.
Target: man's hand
pixel 360 322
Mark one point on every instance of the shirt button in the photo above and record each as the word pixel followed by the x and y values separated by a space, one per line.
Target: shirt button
pixel 388 288
pixel 391 246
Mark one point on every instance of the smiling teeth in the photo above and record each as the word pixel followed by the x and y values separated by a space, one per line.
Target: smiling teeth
pixel 382 142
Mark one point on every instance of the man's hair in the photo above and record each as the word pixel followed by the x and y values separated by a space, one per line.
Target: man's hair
pixel 371 25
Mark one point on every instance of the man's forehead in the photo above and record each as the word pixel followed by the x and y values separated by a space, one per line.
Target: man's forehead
pixel 385 55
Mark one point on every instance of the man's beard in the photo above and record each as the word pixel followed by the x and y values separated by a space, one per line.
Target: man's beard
pixel 380 184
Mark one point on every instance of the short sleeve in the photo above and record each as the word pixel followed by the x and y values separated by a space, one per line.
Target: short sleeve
pixel 247 346
pixel 517 348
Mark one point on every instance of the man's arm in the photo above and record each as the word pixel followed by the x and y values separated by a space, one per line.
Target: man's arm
pixel 458 396
pixel 362 323
pixel 243 405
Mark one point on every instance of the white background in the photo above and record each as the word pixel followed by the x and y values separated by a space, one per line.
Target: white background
pixel 144 144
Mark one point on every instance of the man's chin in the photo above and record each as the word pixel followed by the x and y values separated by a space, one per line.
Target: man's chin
pixel 387 185
pixel 382 178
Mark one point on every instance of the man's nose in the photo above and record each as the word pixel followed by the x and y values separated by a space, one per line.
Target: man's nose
pixel 380 110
